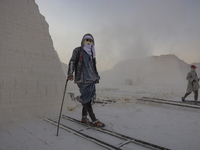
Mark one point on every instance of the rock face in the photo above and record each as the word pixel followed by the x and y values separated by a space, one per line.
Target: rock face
pixel 31 77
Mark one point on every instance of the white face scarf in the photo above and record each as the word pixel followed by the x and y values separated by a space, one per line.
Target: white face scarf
pixel 192 69
pixel 89 48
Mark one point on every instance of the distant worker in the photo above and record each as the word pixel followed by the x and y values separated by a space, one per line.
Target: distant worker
pixel 193 84
pixel 83 62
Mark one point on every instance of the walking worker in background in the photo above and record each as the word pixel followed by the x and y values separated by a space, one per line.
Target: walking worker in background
pixel 83 62
pixel 193 84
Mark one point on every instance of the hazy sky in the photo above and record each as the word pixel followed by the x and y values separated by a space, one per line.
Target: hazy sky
pixel 125 29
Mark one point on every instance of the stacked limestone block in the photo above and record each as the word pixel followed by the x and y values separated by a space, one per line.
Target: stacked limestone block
pixel 31 77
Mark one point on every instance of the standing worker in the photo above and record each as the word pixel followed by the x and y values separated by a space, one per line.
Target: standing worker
pixel 83 62
pixel 193 84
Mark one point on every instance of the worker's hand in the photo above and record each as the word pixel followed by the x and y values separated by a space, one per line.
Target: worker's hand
pixel 70 77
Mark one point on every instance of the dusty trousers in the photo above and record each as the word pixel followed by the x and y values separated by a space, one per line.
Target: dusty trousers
pixel 195 95
pixel 87 109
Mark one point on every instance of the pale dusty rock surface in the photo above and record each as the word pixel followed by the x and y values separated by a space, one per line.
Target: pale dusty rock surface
pixel 31 76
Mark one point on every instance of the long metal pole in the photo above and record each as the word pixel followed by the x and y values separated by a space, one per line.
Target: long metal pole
pixel 61 107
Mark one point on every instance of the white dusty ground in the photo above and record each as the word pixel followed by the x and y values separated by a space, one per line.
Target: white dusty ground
pixel 168 126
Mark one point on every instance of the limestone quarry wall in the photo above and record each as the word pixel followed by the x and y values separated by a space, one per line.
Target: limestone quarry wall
pixel 31 77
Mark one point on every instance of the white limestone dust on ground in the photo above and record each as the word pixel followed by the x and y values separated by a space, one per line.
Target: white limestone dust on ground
pixel 168 126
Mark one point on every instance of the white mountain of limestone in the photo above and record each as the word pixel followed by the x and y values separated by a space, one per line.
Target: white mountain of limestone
pixel 153 70
pixel 31 77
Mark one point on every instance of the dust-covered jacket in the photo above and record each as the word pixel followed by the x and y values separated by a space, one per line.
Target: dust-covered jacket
pixel 192 86
pixel 76 63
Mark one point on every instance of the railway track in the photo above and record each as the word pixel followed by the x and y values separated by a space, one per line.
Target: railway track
pixel 124 140
pixel 189 104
